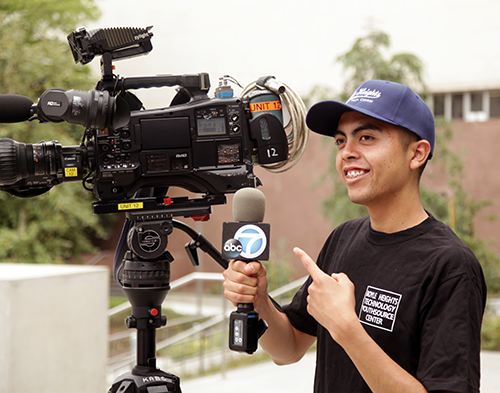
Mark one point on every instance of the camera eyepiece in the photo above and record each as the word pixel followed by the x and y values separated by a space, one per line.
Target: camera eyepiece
pixel 92 109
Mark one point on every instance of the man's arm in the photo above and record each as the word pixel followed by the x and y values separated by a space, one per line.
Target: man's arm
pixel 331 302
pixel 247 283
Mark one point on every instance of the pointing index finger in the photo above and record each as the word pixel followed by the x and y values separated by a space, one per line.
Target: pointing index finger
pixel 308 263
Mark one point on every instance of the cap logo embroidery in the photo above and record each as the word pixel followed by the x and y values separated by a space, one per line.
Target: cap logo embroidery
pixel 364 95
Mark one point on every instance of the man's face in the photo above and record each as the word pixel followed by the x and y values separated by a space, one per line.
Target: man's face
pixel 372 160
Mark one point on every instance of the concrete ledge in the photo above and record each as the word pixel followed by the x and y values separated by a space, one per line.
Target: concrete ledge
pixel 53 328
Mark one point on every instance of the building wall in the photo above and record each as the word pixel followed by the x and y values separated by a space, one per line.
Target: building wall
pixel 477 145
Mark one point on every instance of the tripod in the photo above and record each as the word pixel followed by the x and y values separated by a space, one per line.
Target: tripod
pixel 145 280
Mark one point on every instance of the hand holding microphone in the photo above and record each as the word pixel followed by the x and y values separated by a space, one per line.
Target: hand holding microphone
pixel 246 239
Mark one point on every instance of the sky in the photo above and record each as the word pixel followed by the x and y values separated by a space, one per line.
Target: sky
pixel 298 41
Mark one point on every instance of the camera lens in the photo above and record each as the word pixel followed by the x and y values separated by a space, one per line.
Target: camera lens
pixel 20 160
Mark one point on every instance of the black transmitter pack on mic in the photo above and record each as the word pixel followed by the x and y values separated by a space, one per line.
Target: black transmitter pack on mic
pixel 245 329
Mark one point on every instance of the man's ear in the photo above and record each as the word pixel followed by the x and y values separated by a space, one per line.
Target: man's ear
pixel 420 150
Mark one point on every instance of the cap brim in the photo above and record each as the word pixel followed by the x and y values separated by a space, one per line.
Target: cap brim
pixel 323 117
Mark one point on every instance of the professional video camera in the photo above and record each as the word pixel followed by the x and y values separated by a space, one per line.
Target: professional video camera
pixel 130 157
pixel 204 145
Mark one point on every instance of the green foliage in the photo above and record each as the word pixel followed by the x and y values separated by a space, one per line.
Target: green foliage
pixel 51 228
pixel 35 56
pixel 279 266
pixel 367 60
pixel 490 332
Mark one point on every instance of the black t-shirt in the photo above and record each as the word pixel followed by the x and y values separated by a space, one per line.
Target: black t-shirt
pixel 420 294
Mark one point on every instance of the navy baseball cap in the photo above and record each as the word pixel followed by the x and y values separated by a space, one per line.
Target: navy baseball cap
pixel 391 102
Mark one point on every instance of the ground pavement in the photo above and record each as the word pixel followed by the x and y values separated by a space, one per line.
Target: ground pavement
pixel 268 378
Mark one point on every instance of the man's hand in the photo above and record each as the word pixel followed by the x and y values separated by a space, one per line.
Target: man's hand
pixel 245 283
pixel 331 299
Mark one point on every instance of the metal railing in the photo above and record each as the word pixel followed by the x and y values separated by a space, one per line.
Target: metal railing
pixel 213 323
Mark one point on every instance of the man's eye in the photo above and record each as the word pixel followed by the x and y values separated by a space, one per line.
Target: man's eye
pixel 366 138
pixel 339 141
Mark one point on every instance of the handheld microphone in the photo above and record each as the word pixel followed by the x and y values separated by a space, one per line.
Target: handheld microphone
pixel 247 240
pixel 15 108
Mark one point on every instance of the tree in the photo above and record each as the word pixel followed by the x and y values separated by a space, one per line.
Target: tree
pixel 366 60
pixel 34 56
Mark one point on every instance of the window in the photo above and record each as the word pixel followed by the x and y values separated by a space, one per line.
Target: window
pixel 476 102
pixel 439 105
pixel 457 106
pixel 471 106
pixel 495 103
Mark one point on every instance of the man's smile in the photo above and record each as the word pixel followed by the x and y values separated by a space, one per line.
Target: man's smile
pixel 355 173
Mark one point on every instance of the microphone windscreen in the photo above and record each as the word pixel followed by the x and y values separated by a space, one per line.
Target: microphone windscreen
pixel 14 108
pixel 249 204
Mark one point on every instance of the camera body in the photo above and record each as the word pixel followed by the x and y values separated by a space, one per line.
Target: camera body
pixel 204 147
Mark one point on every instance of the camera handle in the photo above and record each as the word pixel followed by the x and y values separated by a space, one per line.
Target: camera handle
pixel 196 86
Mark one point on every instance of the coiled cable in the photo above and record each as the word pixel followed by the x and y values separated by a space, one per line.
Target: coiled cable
pixel 296 129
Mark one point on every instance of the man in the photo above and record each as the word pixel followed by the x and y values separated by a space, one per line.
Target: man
pixel 396 299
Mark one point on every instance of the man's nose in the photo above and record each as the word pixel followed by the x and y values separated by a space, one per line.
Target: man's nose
pixel 350 150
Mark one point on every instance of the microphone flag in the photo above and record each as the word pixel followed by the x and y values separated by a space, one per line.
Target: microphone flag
pixel 246 241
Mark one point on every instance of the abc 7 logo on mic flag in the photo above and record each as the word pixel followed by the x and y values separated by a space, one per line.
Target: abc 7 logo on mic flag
pixel 247 242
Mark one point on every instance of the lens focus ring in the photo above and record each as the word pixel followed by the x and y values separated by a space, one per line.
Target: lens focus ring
pixel 13 166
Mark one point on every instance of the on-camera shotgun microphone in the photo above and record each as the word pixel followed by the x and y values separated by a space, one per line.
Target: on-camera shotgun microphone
pixel 15 108
pixel 247 240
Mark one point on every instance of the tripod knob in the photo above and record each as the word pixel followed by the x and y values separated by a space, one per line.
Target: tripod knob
pixel 131 322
